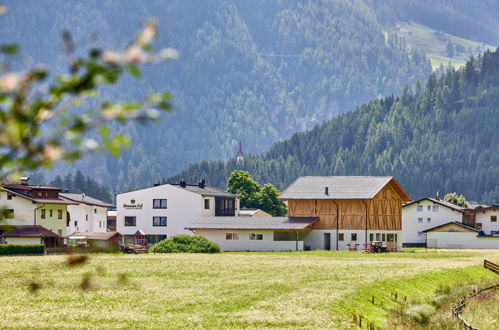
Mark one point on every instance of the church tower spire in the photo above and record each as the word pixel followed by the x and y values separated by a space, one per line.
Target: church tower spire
pixel 240 153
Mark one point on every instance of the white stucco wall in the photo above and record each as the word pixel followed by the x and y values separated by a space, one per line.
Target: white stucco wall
pixel 411 227
pixel 484 218
pixel 96 215
pixel 183 207
pixel 315 239
pixel 461 240
pixel 245 244
pixel 24 213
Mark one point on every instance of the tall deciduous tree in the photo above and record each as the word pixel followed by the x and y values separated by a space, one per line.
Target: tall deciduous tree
pixel 252 195
pixel 456 199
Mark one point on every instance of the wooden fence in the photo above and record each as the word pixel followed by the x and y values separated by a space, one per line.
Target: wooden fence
pixel 456 310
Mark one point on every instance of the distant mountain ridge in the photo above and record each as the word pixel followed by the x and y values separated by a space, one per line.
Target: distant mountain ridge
pixel 443 137
pixel 252 71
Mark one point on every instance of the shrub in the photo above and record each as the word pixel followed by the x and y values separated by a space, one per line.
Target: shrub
pixel 11 249
pixel 185 244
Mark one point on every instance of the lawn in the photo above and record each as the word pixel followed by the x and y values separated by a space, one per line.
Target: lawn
pixel 315 289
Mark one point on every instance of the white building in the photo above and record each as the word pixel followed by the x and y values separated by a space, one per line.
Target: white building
pixel 426 213
pixel 254 233
pixel 483 218
pixel 35 214
pixel 88 214
pixel 166 210
pixel 457 235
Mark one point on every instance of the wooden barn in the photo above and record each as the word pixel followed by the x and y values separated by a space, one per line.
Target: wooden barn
pixel 352 210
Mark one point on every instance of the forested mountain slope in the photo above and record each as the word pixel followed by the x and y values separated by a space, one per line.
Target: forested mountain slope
pixel 443 137
pixel 250 71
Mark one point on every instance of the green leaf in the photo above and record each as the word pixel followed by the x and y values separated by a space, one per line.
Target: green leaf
pixel 9 49
pixel 134 71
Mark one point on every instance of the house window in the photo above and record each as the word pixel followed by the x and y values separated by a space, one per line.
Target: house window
pixel 428 220
pixel 231 236
pixel 493 218
pixel 159 221
pixel 9 196
pixel 478 225
pixel 353 236
pixel 420 234
pixel 378 237
pixel 206 204
pixel 159 203
pixel 9 214
pixel 76 223
pixel 59 232
pixel 130 221
pixel 420 208
pixel 420 220
pixel 42 213
pixel 435 208
pixel 371 237
pixel 86 217
pixel 95 210
pixel 59 214
pixel 255 237
pixel 383 237
pixel 51 213
pixel 428 207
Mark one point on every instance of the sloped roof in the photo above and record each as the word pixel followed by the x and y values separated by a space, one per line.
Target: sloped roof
pixel 94 236
pixel 460 224
pixel 30 231
pixel 41 200
pixel 205 191
pixel 340 187
pixel 437 201
pixel 82 198
pixel 268 223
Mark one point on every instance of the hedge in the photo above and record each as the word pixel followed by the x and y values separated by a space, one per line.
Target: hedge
pixel 10 249
pixel 185 244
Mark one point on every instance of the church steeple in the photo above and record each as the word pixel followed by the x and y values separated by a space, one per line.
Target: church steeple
pixel 240 153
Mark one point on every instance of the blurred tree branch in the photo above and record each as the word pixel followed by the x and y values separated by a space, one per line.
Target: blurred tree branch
pixel 44 118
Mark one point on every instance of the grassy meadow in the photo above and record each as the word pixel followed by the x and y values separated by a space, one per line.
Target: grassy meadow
pixel 313 289
pixel 434 44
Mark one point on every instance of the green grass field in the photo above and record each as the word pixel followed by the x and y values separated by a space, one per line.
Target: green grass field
pixel 315 290
pixel 434 44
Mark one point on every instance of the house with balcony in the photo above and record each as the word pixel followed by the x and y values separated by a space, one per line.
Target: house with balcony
pixel 35 214
pixel 165 210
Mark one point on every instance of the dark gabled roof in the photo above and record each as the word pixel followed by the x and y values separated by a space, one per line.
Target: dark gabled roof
pixel 30 231
pixel 340 187
pixel 437 201
pixel 482 208
pixel 453 223
pixel 29 187
pixel 205 191
pixel 257 223
pixel 82 198
pixel 94 236
pixel 41 200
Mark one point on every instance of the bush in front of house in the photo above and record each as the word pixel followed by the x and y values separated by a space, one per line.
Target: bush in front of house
pixel 185 244
pixel 12 249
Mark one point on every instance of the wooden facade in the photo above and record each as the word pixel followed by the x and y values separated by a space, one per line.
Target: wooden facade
pixel 382 212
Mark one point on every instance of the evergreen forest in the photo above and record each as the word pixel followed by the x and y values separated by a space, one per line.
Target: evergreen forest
pixel 441 137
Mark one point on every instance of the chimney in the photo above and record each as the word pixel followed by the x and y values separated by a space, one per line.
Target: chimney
pixel 24 180
pixel 438 195
pixel 82 195
pixel 326 191
pixel 201 184
pixel 183 184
